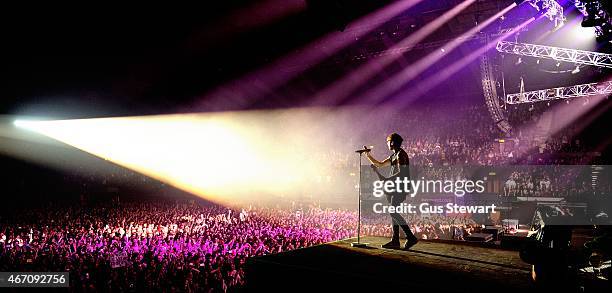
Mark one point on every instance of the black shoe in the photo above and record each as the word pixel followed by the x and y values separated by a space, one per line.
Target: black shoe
pixel 393 244
pixel 410 243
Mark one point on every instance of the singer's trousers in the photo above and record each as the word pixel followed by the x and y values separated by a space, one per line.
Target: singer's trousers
pixel 397 221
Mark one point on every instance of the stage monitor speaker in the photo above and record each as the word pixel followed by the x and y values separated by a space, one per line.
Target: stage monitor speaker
pixel 495 231
pixel 480 237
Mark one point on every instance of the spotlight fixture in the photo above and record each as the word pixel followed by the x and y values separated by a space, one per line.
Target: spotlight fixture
pixel 550 9
pixel 576 70
pixel 595 15
pixel 591 14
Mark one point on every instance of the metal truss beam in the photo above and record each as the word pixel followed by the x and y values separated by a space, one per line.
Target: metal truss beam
pixel 556 53
pixel 581 90
pixel 581 6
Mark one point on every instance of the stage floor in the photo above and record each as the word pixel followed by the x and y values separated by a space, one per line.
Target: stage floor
pixel 435 266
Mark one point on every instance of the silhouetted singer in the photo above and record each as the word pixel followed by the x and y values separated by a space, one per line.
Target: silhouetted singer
pixel 399 162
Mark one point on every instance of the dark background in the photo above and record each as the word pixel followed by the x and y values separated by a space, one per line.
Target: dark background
pixel 95 61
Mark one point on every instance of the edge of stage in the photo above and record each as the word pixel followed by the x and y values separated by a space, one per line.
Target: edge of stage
pixel 429 265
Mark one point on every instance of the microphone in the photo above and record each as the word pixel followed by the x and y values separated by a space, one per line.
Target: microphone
pixel 365 149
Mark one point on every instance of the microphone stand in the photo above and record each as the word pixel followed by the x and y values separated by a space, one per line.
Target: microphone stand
pixel 359 243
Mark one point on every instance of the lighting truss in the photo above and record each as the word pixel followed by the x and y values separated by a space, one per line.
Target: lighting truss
pixel 581 6
pixel 581 90
pixel 551 10
pixel 556 53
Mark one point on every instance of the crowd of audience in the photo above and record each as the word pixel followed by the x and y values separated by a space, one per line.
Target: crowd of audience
pixel 175 246
pixel 180 245
pixel 466 135
pixel 553 181
pixel 452 137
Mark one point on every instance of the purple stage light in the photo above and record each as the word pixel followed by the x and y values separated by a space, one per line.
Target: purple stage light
pixel 441 76
pixel 240 93
pixel 341 89
pixel 396 82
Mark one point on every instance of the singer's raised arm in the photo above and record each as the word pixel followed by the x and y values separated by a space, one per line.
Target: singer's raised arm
pixel 376 162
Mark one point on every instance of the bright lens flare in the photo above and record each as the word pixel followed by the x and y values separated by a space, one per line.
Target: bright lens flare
pixel 24 124
pixel 222 157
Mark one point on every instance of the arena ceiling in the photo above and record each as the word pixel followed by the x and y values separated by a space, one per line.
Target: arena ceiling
pixel 108 62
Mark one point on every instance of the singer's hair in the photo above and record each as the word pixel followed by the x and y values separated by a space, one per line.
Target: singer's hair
pixel 395 138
